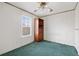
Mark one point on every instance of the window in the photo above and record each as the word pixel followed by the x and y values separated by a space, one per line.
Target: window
pixel 26 23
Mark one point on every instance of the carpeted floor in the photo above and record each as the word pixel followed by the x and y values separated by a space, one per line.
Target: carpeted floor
pixel 44 48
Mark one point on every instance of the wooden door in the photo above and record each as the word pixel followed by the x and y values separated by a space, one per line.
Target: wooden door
pixel 39 30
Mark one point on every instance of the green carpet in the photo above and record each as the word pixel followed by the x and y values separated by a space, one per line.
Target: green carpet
pixel 44 48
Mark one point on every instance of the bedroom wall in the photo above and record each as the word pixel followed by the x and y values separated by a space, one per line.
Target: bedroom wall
pixel 10 37
pixel 60 28
pixel 77 27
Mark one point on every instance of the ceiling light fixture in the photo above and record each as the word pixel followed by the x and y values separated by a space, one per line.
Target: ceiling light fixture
pixel 42 6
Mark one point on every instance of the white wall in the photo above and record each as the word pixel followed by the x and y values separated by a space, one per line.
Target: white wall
pixel 77 28
pixel 10 37
pixel 60 28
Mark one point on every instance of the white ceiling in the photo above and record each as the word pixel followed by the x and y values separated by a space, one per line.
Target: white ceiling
pixel 56 6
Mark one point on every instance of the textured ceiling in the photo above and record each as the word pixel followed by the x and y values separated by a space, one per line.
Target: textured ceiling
pixel 56 6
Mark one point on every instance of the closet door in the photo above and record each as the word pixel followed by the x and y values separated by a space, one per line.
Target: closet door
pixel 39 30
